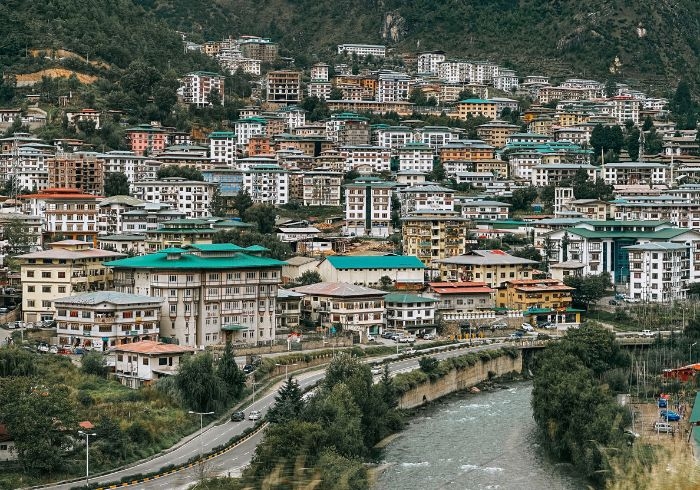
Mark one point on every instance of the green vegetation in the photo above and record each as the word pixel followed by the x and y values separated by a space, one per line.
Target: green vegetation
pixel 116 184
pixel 588 290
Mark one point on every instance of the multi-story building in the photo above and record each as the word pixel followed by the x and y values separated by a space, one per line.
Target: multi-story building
pixel 28 240
pixel 630 173
pixel 197 88
pixel 410 313
pixel 258 48
pixel 67 213
pixel 550 173
pixel 348 129
pixel 466 150
pixel 363 50
pixel 123 243
pixel 65 268
pixel 393 86
pixel 189 232
pixel 283 87
pixel 110 212
pixel 288 311
pixel 506 80
pixel 479 209
pixel 133 166
pixel 141 363
pixel 494 267
pixel 600 245
pixel 267 184
pixel 145 139
pixel 82 171
pixel 188 196
pixel 659 272
pixel 477 107
pixel 462 300
pixel 426 198
pixel 377 158
pixel 415 156
pixel 429 62
pixel 434 235
pixel 435 136
pixel 148 216
pixel 322 188
pixel 86 115
pixel 625 108
pixel 319 72
pixel 108 317
pixel 405 271
pixel 339 306
pixel 496 133
pixel 391 136
pixel 222 147
pixel 368 207
pixel 322 90
pixel 539 300
pixel 212 293
pixel 295 116
pixel 247 128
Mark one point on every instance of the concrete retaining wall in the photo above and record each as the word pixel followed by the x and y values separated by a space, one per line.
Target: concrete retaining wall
pixel 457 380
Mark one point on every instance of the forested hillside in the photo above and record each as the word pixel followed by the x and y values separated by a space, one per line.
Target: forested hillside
pixel 654 41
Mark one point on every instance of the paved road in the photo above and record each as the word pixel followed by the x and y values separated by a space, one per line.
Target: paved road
pixel 232 462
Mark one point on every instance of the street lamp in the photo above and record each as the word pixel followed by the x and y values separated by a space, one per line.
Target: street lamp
pixel 87 454
pixel 286 366
pixel 201 429
pixel 690 351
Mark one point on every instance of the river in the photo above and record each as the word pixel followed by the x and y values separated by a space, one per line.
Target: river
pixel 478 441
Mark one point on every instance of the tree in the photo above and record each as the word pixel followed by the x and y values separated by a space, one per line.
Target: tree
pixel 523 198
pixel 632 143
pixel 216 204
pixel 242 201
pixel 189 173
pixel 610 88
pixel 588 290
pixel 438 174
pixel 547 194
pixel 648 124
pixel 466 94
pixel 289 403
pixel 245 238
pixel 336 94
pixel 263 215
pixel 385 282
pixel 528 252
pixel 201 389
pixel 93 363
pixel 227 370
pixel 116 184
pixel 309 277
pixel 417 96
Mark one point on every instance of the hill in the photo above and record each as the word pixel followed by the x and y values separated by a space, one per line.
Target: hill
pixel 648 41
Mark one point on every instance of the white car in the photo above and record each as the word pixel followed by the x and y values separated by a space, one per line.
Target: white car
pixel 376 370
pixel 407 339
pixel 370 338
pixel 500 325
pixel 527 327
pixel 254 415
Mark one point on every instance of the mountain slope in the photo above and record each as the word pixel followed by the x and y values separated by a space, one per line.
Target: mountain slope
pixel 654 41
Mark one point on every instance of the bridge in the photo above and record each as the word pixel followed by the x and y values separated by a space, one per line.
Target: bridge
pixel 533 343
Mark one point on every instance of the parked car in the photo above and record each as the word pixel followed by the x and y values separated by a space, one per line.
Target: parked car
pixel 633 300
pixel 53 349
pixel 669 415
pixel 620 296
pixel 376 370
pixel 370 338
pixel 387 334
pixel 428 336
pixel 500 325
pixel 254 415
pixel 248 368
pixel 237 416
pixel 527 327
pixel 410 351
pixel 646 333
pixel 663 427
pixel 516 335
pixel 407 339
pixel 663 403
pixel 42 347
pixel 613 302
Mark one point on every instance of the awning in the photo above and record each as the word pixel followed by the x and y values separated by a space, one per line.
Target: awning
pixel 233 327
pixel 695 414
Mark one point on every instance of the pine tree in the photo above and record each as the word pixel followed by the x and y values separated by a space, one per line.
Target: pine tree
pixel 289 403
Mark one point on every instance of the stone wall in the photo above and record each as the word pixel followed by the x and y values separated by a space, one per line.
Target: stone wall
pixel 457 380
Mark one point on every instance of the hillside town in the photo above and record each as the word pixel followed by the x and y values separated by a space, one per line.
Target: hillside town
pixel 405 227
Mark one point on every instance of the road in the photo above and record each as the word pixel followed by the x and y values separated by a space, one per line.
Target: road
pixel 232 462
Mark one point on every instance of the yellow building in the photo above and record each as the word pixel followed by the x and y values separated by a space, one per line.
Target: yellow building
pixel 494 267
pixel 477 107
pixel 495 133
pixel 494 166
pixel 539 300
pixel 432 236
pixel 68 267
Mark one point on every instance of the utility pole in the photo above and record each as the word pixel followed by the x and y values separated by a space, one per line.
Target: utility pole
pixel 87 455
pixel 201 429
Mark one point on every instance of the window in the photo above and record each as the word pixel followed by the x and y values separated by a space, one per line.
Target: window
pixel 30 273
pixel 46 304
pixel 30 303
pixel 61 289
pixel 173 293
pixel 145 361
pixel 46 275
pixel 61 275
pixel 213 277
pixel 162 361
pixel 86 314
pixel 30 289
pixel 45 289
pixel 173 278
pixel 173 309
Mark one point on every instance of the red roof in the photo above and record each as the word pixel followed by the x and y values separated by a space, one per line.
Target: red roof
pixel 86 424
pixel 151 347
pixel 60 193
pixel 460 288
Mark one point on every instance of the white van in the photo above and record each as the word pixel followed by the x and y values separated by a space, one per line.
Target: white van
pixel 663 427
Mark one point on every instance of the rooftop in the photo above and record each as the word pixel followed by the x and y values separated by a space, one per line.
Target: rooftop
pixel 487 257
pixel 339 289
pixel 112 297
pixel 375 262
pixel 170 259
pixel 407 298
pixel 153 348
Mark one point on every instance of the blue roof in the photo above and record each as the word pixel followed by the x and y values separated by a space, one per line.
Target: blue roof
pixel 376 262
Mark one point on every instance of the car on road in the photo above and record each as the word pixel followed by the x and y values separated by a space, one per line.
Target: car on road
pixel 516 336
pixel 237 416
pixel 663 427
pixel 407 339
pixel 42 347
pixel 500 325
pixel 663 403
pixel 254 415
pixel 409 351
pixel 527 327
pixel 248 368
pixel 376 370
pixel 669 415
pixel 646 333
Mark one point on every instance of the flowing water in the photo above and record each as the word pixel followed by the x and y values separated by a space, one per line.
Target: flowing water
pixel 479 441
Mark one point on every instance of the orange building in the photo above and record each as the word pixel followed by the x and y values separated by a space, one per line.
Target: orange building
pixel 259 145
pixel 145 139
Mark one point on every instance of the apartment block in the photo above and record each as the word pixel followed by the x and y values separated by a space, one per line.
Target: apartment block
pixel 197 87
pixel 659 272
pixel 363 50
pixel 368 207
pixel 322 188
pixel 188 196
pixel 267 184
pixel 82 171
pixel 283 87
pixel 434 235
pixel 222 147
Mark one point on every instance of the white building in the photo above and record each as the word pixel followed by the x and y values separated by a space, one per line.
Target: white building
pixel 393 86
pixel 428 63
pixel 197 87
pixel 245 128
pixel 415 157
pixel 295 115
pixel 267 184
pixel 110 212
pixel 551 173
pixel 436 136
pixel 127 162
pixel 319 72
pixel 625 108
pixel 191 197
pixel 379 158
pixel 507 80
pixel 659 272
pixel 368 207
pixel 140 363
pixel 631 173
pixel 485 210
pixel 222 147
pixel 212 293
pixel 410 313
pixel 426 197
pixel 392 136
pixel 363 50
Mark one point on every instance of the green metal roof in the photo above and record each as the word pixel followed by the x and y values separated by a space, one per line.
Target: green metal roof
pixel 159 260
pixel 216 247
pixel 234 327
pixel 660 234
pixel 695 414
pixel 476 101
pixel 407 298
pixel 376 262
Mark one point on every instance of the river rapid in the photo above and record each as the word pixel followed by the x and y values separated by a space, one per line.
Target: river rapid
pixel 476 441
